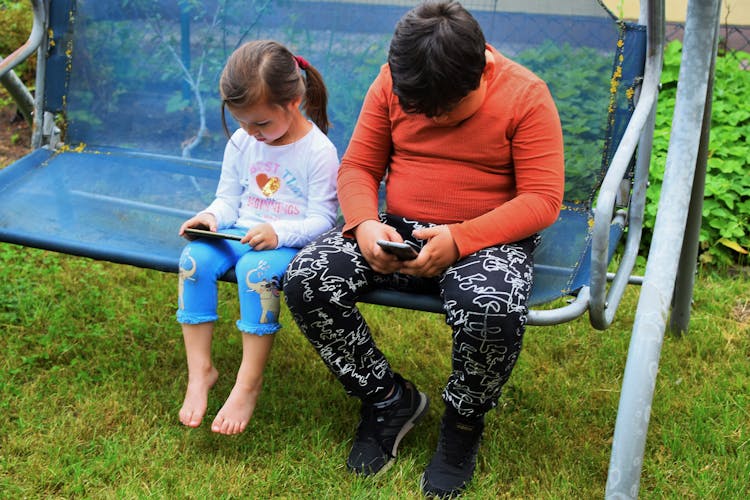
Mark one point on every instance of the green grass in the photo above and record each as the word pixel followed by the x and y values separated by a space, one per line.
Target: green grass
pixel 92 376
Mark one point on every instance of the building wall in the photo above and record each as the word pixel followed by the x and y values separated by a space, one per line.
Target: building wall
pixel 733 12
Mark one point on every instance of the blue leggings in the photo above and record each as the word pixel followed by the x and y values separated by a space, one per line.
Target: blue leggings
pixel 259 274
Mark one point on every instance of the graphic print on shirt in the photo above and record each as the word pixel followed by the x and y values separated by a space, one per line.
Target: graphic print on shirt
pixel 268 185
pixel 271 177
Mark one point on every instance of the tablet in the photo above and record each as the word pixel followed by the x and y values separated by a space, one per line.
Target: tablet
pixel 202 233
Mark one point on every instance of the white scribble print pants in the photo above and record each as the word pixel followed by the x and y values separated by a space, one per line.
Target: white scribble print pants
pixel 484 297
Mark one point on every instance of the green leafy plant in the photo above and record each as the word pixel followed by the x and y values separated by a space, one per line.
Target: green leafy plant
pixel 725 233
pixel 15 27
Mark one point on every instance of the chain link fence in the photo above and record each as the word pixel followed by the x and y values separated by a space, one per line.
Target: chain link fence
pixel 732 38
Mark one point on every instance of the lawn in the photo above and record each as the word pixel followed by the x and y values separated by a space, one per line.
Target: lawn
pixel 93 376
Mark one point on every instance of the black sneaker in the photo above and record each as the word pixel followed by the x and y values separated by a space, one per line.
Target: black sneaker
pixel 380 430
pixel 452 465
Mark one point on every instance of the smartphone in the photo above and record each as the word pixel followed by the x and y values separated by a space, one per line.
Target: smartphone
pixel 402 251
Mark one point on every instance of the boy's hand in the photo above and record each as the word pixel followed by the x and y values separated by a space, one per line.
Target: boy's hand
pixel 203 220
pixel 367 235
pixel 261 237
pixel 436 255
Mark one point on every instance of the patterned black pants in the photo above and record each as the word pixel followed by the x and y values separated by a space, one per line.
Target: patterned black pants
pixel 484 297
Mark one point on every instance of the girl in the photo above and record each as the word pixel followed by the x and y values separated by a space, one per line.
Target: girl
pixel 276 190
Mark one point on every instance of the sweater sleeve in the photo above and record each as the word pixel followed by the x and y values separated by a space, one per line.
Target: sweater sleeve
pixel 225 206
pixel 320 215
pixel 538 162
pixel 364 163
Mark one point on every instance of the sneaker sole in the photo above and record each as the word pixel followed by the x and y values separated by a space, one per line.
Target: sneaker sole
pixel 439 494
pixel 432 494
pixel 424 404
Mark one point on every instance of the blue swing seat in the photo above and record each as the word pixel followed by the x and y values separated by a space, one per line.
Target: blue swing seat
pixel 134 87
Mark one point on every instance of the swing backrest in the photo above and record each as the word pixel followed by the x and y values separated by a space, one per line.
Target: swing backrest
pixel 133 85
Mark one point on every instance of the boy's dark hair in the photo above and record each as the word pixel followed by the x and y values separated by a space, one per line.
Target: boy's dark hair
pixel 436 57
pixel 266 71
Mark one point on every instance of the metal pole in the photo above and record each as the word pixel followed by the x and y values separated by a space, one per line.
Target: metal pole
pixel 683 294
pixel 604 302
pixel 20 94
pixel 642 363
pixel 35 39
pixel 37 129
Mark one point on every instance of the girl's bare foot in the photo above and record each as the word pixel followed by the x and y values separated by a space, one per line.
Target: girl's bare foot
pixel 237 410
pixel 196 397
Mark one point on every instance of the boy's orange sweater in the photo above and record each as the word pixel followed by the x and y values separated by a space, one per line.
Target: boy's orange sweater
pixel 495 178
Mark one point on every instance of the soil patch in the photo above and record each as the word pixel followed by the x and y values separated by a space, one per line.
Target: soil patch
pixel 15 136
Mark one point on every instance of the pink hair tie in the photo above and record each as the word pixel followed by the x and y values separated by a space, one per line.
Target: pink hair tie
pixel 301 62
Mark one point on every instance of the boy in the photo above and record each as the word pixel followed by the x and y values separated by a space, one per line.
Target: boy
pixel 472 145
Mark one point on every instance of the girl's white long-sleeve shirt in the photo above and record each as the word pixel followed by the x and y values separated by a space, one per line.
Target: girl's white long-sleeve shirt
pixel 292 187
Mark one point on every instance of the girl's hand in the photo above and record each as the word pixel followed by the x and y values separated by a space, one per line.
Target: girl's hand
pixel 367 235
pixel 203 220
pixel 439 253
pixel 261 237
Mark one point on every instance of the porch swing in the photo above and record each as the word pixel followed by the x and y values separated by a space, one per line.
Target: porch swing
pixel 134 89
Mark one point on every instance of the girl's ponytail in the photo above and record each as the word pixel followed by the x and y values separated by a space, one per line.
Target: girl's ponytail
pixel 316 95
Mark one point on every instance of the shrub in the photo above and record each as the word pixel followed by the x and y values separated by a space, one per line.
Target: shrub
pixel 725 233
pixel 15 25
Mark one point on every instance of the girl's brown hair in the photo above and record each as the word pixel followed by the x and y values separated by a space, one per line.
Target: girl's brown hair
pixel 266 71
